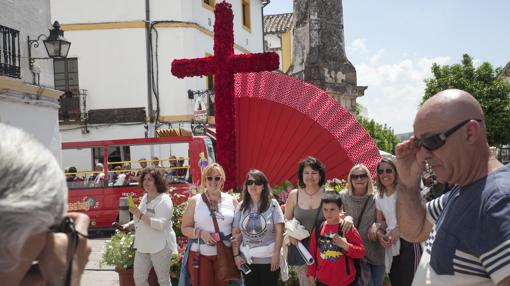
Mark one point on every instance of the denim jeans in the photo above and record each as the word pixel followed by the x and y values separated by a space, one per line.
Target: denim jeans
pixel 376 275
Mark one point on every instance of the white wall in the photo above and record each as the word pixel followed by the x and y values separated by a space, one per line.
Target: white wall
pixel 97 11
pixel 273 41
pixel 112 66
pixel 40 120
pixel 252 40
pixel 112 62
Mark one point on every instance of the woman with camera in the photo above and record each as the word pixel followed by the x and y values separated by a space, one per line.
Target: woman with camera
pixel 259 220
pixel 40 244
pixel 154 235
pixel 198 225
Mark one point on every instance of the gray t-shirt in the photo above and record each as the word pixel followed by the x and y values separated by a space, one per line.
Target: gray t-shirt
pixel 258 229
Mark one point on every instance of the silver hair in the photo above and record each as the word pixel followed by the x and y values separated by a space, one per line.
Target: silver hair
pixel 33 192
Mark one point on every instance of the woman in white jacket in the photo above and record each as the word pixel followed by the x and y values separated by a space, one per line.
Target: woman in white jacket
pixel 154 236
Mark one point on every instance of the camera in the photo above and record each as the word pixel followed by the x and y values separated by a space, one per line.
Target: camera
pixel 65 226
pixel 245 269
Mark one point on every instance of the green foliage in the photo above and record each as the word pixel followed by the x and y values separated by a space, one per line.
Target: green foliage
pixel 119 251
pixel 335 184
pixel 383 136
pixel 281 192
pixel 483 83
pixel 177 218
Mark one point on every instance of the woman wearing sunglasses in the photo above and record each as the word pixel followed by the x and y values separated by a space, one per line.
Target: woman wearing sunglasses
pixel 359 202
pixel 259 219
pixel 198 226
pixel 402 257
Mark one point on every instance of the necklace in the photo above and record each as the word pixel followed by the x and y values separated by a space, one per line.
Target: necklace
pixel 213 204
pixel 313 194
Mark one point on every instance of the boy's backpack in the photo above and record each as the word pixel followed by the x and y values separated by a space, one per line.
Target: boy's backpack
pixel 356 262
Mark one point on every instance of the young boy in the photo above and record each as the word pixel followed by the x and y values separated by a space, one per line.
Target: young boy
pixel 333 252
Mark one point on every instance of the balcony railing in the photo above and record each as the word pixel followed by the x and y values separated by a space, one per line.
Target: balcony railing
pixel 73 106
pixel 10 55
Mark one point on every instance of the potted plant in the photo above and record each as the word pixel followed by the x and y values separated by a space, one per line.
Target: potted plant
pixel 119 253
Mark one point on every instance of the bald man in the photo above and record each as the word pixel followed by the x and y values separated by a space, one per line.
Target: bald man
pixel 469 227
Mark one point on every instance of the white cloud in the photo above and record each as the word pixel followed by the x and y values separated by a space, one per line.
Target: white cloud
pixel 359 44
pixel 375 58
pixel 395 90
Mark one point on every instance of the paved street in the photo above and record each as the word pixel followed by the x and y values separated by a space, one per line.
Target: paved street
pixel 94 275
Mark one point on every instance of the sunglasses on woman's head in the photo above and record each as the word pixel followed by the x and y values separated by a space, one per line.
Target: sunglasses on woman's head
pixel 209 178
pixel 436 141
pixel 250 182
pixel 359 177
pixel 387 171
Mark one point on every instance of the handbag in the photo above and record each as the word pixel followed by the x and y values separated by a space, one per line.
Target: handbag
pixel 294 258
pixel 363 276
pixel 225 267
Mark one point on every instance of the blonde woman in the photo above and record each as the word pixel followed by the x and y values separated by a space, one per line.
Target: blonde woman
pixel 359 202
pixel 198 226
pixel 402 257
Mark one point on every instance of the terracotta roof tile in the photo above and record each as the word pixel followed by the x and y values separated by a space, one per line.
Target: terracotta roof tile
pixel 278 23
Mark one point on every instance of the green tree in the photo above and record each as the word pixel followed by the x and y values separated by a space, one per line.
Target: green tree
pixel 483 83
pixel 383 136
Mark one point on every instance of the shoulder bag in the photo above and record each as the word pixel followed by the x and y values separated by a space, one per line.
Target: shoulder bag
pixel 225 267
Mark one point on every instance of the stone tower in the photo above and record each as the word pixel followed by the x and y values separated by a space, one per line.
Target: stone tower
pixel 318 55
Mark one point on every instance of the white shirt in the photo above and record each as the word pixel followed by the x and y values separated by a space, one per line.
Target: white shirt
pixel 203 221
pixel 388 206
pixel 153 238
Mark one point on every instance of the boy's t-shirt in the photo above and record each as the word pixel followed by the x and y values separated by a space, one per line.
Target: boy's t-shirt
pixel 330 262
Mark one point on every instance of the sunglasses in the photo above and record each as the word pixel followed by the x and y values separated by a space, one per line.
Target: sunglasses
pixel 250 182
pixel 436 141
pixel 387 171
pixel 359 177
pixel 217 179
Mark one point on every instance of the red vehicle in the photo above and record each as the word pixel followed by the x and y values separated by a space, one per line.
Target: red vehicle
pixel 99 173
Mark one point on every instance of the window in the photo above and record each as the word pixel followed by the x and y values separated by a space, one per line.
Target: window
pixel 246 14
pixel 66 74
pixel 209 4
pixel 210 86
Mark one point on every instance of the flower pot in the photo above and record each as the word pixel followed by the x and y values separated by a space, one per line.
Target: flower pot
pixel 126 277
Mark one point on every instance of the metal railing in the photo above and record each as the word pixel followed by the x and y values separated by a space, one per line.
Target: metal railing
pixel 73 106
pixel 10 54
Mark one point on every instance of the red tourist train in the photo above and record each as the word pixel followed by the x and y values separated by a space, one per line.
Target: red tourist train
pixel 99 173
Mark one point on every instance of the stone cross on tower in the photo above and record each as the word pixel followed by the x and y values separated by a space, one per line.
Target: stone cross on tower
pixel 319 50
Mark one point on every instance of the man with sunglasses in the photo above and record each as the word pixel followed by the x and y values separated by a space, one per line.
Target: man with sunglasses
pixel 469 227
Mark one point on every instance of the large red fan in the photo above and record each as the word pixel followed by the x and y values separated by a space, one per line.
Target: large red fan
pixel 281 120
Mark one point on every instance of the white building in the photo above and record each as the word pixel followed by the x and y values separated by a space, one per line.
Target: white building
pixel 278 37
pixel 112 52
pixel 23 103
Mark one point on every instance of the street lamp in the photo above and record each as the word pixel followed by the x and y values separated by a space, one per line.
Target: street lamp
pixel 56 45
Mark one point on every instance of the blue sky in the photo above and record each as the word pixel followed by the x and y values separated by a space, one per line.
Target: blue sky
pixel 393 44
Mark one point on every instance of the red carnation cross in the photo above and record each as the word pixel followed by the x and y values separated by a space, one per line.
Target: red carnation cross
pixel 223 65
